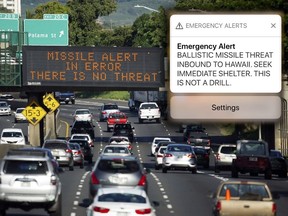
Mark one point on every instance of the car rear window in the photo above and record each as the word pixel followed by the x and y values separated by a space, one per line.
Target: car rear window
pixel 109 107
pixel 116 150
pixel 240 190
pixel 25 167
pixel 12 134
pixel 122 197
pixel 118 166
pixel 149 106
pixel 55 145
pixel 228 150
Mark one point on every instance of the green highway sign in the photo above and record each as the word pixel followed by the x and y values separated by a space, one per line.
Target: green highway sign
pixel 47 32
pixel 9 16
pixel 55 16
pixel 9 22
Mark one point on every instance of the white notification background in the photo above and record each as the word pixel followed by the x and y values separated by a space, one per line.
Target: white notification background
pixel 225 53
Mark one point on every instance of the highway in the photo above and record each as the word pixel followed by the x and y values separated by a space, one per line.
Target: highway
pixel 179 193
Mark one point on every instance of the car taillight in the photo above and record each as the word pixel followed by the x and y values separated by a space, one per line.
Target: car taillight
pixel 77 152
pixel 190 155
pixel 218 206
pixel 53 180
pixel 68 151
pixel 168 155
pixel 159 155
pixel 130 147
pixel 100 209
pixel 143 211
pixel 142 181
pixel 274 208
pixel 206 156
pixel 217 156
pixel 104 112
pixel 94 179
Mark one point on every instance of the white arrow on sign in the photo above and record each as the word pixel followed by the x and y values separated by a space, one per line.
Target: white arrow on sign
pixel 61 33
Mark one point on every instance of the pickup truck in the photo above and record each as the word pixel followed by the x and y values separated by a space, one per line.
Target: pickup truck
pixel 244 198
pixel 252 156
pixel 66 97
pixel 149 111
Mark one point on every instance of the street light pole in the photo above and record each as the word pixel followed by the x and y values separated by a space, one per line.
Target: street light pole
pixel 148 8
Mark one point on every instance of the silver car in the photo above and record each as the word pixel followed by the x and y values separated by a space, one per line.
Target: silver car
pixel 61 152
pixel 117 171
pixel 29 177
pixel 5 108
pixel 179 156
pixel 159 157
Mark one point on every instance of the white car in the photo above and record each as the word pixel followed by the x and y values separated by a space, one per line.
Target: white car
pixel 83 136
pixel 121 140
pixel 155 141
pixel 159 157
pixel 18 116
pixel 12 136
pixel 82 115
pixel 124 201
pixel 5 108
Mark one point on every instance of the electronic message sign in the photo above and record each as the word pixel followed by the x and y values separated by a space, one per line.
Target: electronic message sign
pixel 123 67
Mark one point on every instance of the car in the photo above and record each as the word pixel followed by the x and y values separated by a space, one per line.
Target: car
pixel 202 155
pixel 163 143
pixel 159 157
pixel 29 180
pixel 8 97
pixel 149 111
pixel 222 157
pixel 86 149
pixel 106 109
pixel 18 115
pixel 117 171
pixel 61 151
pixel 12 136
pixel 78 155
pixel 278 163
pixel 194 133
pixel 116 118
pixel 190 126
pixel 65 97
pixel 198 139
pixel 124 130
pixel 117 201
pixel 82 115
pixel 113 149
pixel 252 156
pixel 5 108
pixel 121 140
pixel 155 141
pixel 244 198
pixel 179 156
pixel 83 127
pixel 83 136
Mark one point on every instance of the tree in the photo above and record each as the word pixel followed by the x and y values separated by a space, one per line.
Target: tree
pixel 53 7
pixel 150 30
pixel 84 29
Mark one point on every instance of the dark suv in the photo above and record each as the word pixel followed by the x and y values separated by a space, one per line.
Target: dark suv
pixel 83 127
pixel 252 156
pixel 86 149
pixel 124 130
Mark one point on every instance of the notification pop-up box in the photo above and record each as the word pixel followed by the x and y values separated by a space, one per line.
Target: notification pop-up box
pixel 225 53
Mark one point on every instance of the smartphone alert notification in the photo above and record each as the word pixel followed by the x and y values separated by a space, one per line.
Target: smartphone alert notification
pixel 226 54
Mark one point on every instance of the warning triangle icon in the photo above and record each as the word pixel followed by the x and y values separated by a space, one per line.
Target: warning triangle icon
pixel 179 26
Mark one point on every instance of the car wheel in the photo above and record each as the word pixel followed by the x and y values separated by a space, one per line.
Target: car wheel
pixel 90 160
pixel 56 209
pixel 71 168
pixel 82 165
pixel 157 167
pixel 164 170
pixel 15 121
pixel 158 120
pixel 140 121
pixel 108 129
pixel 217 169
pixel 2 212
pixel 283 174
pixel 268 174
pixel 194 171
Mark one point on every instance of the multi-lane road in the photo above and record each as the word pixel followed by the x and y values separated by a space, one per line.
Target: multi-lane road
pixel 178 193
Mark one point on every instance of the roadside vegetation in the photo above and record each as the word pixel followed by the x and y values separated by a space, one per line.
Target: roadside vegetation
pixel 114 95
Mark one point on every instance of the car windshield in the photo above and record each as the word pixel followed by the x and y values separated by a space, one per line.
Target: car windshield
pixel 25 167
pixel 122 197
pixel 240 190
pixel 3 104
pixel 12 134
pixel 118 166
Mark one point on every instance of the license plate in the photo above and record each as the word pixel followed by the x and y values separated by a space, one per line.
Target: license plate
pixel 180 156
pixel 253 159
pixel 122 213
pixel 25 184
pixel 117 180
